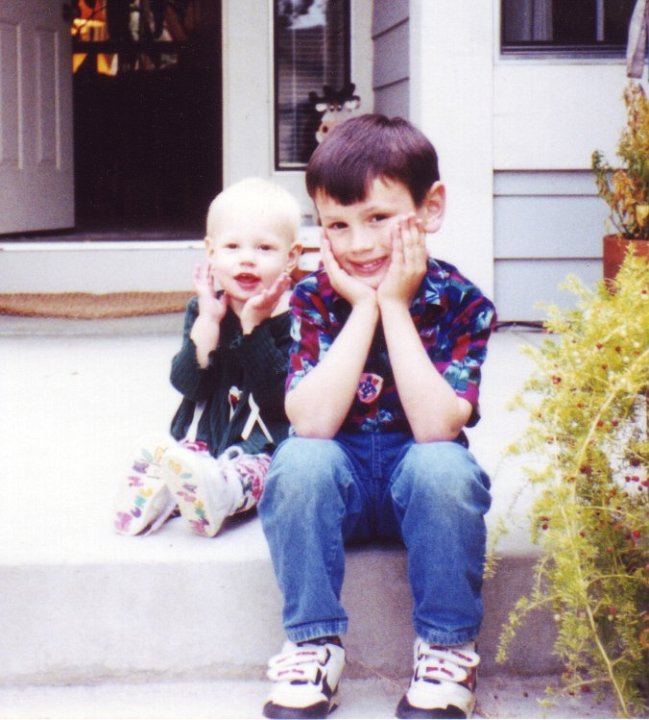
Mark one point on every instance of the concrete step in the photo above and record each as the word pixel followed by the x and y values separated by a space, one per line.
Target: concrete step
pixel 498 697
pixel 82 605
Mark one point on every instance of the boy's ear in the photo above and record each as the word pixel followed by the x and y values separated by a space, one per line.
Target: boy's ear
pixel 433 207
pixel 209 246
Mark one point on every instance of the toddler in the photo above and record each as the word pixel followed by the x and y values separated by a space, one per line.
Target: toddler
pixel 230 370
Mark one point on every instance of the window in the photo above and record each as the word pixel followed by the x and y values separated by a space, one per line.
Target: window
pixel 311 51
pixel 573 26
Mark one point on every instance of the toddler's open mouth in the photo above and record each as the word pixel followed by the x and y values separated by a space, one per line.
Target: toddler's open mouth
pixel 247 281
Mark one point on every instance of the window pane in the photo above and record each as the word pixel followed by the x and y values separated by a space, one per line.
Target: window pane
pixel 574 25
pixel 311 51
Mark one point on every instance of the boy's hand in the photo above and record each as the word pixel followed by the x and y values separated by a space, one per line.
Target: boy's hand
pixel 209 305
pixel 261 306
pixel 353 290
pixel 408 264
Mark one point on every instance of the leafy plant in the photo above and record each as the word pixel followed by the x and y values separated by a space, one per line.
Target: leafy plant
pixel 626 188
pixel 587 441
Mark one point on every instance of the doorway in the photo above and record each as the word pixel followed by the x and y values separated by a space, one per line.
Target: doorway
pixel 147 115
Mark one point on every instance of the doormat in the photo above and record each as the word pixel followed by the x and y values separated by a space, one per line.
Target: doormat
pixel 88 306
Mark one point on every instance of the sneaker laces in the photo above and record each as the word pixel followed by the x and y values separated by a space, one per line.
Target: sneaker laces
pixel 300 664
pixel 438 662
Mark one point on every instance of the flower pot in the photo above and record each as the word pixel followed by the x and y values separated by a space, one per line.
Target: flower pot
pixel 615 248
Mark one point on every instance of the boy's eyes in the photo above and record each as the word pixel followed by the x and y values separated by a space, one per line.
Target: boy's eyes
pixel 372 220
pixel 336 226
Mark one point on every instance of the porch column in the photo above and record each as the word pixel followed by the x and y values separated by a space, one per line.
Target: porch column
pixel 452 46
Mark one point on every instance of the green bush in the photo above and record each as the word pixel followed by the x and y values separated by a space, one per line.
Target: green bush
pixel 589 452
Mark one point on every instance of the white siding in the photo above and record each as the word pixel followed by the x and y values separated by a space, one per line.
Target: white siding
pixel 549 116
pixel 546 225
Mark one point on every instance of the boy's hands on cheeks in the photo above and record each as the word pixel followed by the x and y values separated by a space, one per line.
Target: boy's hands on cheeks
pixel 408 263
pixel 261 306
pixel 352 289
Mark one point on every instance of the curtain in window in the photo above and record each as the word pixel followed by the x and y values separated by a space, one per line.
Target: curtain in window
pixel 527 20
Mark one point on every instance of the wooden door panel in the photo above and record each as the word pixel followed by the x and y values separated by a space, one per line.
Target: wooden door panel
pixel 36 163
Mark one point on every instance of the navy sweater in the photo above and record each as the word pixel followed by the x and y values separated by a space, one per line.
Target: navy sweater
pixel 254 364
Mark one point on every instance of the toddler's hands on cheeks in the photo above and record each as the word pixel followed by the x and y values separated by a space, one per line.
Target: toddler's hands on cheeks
pixel 408 263
pixel 352 289
pixel 261 306
pixel 209 305
pixel 211 310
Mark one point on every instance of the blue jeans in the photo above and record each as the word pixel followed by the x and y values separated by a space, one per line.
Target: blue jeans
pixel 321 494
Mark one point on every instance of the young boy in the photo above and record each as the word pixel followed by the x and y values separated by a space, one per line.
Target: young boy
pixel 384 374
pixel 231 368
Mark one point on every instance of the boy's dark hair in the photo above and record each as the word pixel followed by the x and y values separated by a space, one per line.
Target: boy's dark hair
pixel 369 146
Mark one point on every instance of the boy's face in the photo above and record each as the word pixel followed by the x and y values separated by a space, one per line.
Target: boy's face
pixel 361 234
pixel 247 255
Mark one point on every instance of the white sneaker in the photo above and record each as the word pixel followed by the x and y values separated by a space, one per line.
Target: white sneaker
pixel 443 682
pixel 204 493
pixel 306 678
pixel 144 503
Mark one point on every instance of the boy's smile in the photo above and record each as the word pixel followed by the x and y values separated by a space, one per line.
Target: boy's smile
pixel 361 233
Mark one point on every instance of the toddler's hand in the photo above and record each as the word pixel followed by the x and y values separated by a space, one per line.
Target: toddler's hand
pixel 408 264
pixel 353 290
pixel 209 305
pixel 261 306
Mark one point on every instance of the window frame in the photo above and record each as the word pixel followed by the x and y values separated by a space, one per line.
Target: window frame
pixel 346 59
pixel 547 49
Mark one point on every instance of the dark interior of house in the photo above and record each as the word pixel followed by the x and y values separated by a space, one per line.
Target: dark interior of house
pixel 147 115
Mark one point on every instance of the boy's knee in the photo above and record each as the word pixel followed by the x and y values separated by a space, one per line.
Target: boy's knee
pixel 442 473
pixel 302 472
pixel 299 457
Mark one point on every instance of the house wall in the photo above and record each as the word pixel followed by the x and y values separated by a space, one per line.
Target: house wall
pixel 391 71
pixel 515 137
pixel 549 116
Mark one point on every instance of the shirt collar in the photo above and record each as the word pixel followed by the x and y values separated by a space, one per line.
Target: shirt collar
pixel 430 290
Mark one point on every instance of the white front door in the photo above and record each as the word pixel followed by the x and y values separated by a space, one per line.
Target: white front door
pixel 36 143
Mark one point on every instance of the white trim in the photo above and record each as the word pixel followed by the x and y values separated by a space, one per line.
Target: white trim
pixel 98 267
pixel 100 246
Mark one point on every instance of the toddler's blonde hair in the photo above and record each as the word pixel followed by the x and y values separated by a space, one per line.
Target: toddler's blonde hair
pixel 255 196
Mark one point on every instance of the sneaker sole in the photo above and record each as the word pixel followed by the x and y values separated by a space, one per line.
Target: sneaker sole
pixel 139 505
pixel 318 711
pixel 406 711
pixel 190 493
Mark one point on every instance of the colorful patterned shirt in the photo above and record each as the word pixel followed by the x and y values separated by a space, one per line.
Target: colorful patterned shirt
pixel 454 321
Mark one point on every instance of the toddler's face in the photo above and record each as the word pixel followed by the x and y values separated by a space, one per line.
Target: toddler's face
pixel 361 234
pixel 247 255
